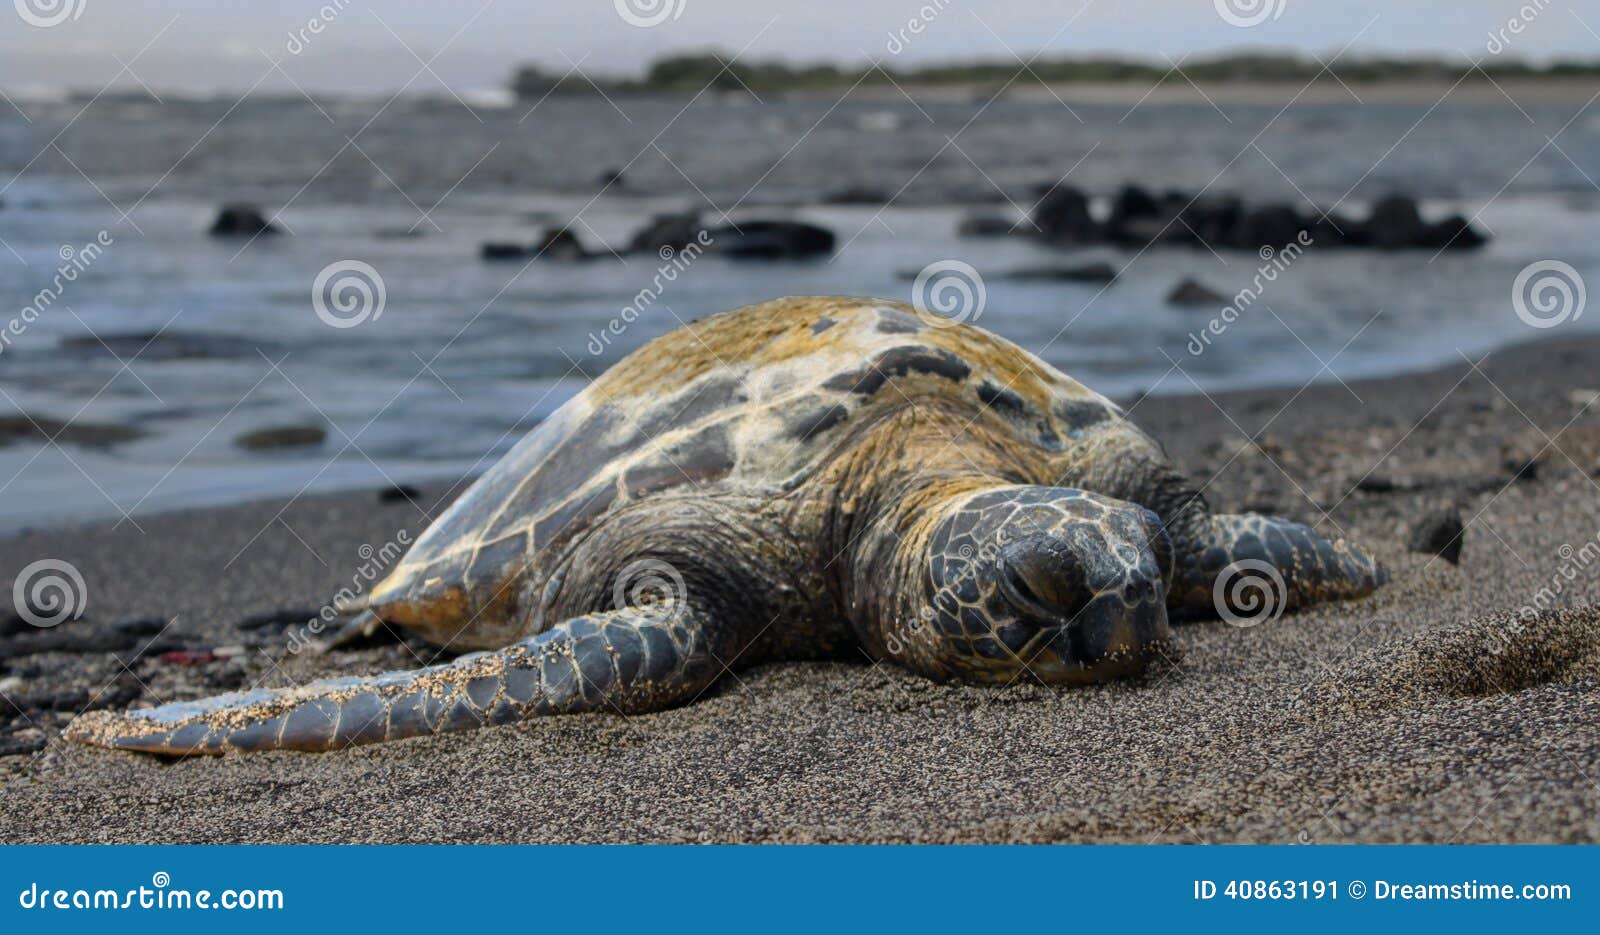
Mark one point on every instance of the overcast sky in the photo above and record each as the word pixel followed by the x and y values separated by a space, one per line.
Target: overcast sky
pixel 218 45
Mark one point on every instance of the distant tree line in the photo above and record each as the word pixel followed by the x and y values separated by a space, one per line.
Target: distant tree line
pixel 691 72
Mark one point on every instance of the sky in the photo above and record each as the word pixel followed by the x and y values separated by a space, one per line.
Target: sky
pixel 381 45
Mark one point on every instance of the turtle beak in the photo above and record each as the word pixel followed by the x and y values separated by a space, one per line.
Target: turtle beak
pixel 1109 638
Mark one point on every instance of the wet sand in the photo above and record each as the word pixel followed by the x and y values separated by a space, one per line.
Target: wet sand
pixel 1432 711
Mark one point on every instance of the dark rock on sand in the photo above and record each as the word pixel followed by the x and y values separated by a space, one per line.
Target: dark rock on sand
pixel 21 744
pixel 77 636
pixel 1088 272
pixel 286 436
pixel 1063 216
pixel 139 626
pixel 42 429
pixel 242 219
pixel 984 225
pixel 1439 533
pixel 273 619
pixel 1523 454
pixel 35 697
pixel 673 231
pixel 773 240
pixel 1193 292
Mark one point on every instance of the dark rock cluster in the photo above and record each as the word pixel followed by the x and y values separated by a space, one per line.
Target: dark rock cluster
pixel 1138 217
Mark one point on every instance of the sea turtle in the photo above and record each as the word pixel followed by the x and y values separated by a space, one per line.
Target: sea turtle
pixel 789 480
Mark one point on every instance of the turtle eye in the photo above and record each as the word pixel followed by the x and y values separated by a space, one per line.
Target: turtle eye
pixel 1042 580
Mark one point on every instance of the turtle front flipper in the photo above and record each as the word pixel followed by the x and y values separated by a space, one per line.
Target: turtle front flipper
pixel 1252 564
pixel 630 661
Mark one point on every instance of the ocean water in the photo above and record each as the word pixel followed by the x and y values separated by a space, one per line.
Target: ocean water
pixel 467 355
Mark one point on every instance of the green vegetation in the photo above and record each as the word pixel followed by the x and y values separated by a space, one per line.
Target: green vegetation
pixel 692 72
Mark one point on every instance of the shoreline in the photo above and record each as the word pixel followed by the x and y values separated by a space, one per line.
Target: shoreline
pixel 1530 347
pixel 1386 719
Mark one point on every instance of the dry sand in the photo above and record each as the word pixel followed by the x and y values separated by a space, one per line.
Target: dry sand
pixel 1430 712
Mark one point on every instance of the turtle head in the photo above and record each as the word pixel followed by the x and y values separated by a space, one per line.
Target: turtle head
pixel 1054 583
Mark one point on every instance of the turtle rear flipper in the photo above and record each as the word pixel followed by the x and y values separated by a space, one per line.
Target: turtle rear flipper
pixel 1308 567
pixel 632 660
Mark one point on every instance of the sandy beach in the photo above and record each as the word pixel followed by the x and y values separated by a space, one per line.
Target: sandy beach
pixel 1433 711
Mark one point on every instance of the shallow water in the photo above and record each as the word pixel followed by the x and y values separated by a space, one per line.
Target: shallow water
pixel 468 354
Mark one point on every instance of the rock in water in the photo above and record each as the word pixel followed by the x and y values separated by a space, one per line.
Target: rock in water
pixel 1396 223
pixel 983 225
pixel 772 240
pixel 289 436
pixel 1193 292
pixel 1268 226
pixel 673 230
pixel 1439 533
pixel 1455 233
pixel 560 243
pixel 1087 272
pixel 241 219
pixel 502 250
pixel 1063 216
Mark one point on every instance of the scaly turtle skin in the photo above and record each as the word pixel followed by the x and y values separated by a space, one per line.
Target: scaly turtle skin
pixel 784 481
